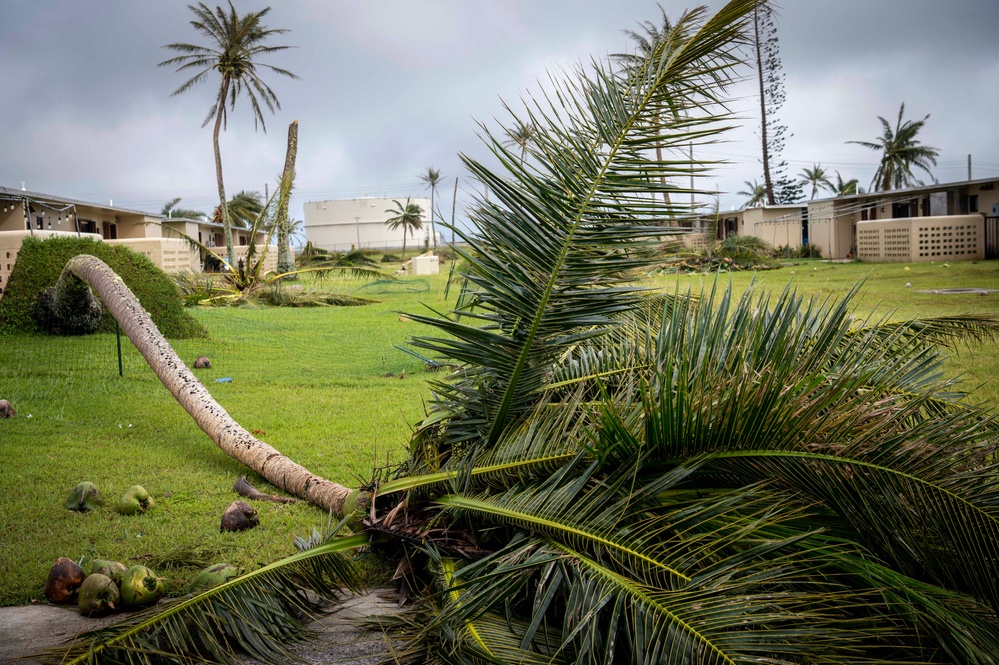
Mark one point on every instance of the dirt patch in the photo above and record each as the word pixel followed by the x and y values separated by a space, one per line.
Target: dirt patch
pixel 335 639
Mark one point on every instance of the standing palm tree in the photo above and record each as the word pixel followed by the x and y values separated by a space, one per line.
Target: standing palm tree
pixel 646 41
pixel 520 135
pixel 409 217
pixel 816 177
pixel 432 177
pixel 847 187
pixel 900 151
pixel 234 44
pixel 756 192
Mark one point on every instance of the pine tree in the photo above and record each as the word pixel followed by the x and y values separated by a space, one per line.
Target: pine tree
pixel 780 187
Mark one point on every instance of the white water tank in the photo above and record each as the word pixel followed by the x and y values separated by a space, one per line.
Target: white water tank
pixel 425 265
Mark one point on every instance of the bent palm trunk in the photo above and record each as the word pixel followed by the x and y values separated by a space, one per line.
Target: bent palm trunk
pixel 214 421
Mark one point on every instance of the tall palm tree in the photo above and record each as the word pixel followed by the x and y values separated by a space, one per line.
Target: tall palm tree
pixel 432 177
pixel 235 44
pixel 646 40
pixel 756 192
pixel 847 187
pixel 816 177
pixel 409 217
pixel 520 136
pixel 619 475
pixel 900 152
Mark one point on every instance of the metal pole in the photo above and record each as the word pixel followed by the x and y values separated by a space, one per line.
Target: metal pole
pixel 454 204
pixel 117 334
pixel 969 166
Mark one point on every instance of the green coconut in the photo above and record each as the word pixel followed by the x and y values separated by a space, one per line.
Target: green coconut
pixel 213 576
pixel 112 569
pixel 98 594
pixel 65 577
pixel 135 500
pixel 85 496
pixel 140 587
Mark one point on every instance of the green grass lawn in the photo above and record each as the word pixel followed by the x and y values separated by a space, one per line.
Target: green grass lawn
pixel 324 386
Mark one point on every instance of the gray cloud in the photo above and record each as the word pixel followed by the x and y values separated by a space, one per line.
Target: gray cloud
pixel 391 87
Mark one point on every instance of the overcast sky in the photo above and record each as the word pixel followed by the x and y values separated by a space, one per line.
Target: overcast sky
pixel 390 87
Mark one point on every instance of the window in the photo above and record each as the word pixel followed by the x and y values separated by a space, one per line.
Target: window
pixel 973 203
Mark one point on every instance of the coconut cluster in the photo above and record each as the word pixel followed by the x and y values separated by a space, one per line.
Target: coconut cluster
pixel 108 587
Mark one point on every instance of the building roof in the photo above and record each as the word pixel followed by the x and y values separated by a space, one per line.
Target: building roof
pixel 49 199
pixel 909 191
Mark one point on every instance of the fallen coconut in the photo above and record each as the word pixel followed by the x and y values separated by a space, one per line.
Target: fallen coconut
pixel 6 410
pixel 113 569
pixel 202 363
pixel 98 594
pixel 212 576
pixel 239 516
pixel 84 497
pixel 135 500
pixel 65 577
pixel 140 587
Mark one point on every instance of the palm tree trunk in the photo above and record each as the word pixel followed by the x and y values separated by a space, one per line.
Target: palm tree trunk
pixel 209 415
pixel 286 263
pixel 226 224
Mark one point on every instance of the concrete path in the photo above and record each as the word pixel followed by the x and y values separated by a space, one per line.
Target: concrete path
pixel 27 631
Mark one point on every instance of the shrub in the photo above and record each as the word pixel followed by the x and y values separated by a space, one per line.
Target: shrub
pixel 390 258
pixel 40 262
pixel 744 248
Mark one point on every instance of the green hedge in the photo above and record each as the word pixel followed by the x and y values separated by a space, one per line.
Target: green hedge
pixel 41 261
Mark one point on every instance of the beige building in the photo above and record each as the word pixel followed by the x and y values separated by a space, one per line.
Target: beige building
pixel 946 221
pixel 25 214
pixel 340 225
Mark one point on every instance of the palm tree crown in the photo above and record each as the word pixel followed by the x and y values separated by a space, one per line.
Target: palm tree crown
pixel 816 177
pixel 432 177
pixel 847 187
pixel 409 217
pixel 234 44
pixel 243 209
pixel 900 152
pixel 170 209
pixel 756 192
pixel 519 135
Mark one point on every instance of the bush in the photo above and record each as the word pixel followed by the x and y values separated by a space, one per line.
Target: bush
pixel 390 258
pixel 744 248
pixel 40 263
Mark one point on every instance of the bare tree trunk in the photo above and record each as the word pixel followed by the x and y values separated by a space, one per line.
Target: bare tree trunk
pixel 767 182
pixel 209 415
pixel 226 224
pixel 286 263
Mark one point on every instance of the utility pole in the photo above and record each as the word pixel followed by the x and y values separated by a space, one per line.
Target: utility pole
pixel 357 225
pixel 454 204
pixel 969 166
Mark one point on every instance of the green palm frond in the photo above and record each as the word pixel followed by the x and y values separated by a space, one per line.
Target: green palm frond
pixel 549 265
pixel 256 613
